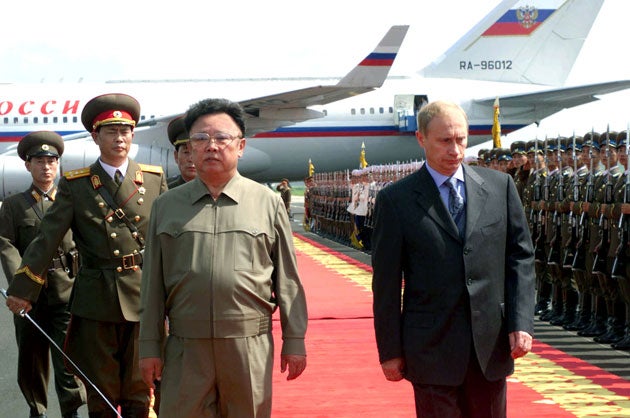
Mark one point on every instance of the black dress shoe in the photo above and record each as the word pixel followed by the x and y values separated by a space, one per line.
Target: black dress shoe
pixel 623 345
pixel 38 416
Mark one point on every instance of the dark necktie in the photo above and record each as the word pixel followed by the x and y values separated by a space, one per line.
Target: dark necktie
pixel 456 205
pixel 118 177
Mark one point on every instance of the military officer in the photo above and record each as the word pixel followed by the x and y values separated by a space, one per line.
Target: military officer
pixel 20 217
pixel 107 206
pixel 178 136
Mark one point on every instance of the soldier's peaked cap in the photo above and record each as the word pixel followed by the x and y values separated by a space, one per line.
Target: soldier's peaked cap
pixel 40 144
pixel 110 109
pixel 176 130
pixel 518 147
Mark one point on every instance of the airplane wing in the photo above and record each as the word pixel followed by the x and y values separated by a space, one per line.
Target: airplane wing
pixel 270 112
pixel 547 102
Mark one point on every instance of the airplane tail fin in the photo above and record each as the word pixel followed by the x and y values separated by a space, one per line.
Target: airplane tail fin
pixel 373 70
pixel 521 41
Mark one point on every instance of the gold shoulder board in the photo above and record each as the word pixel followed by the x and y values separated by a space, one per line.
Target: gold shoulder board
pixel 77 174
pixel 156 169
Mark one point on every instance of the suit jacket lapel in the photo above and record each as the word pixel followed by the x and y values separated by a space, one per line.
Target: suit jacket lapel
pixel 476 197
pixel 429 199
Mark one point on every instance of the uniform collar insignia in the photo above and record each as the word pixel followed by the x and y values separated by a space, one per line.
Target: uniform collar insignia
pixel 96 181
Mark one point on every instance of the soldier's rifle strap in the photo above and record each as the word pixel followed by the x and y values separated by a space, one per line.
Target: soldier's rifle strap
pixel 120 213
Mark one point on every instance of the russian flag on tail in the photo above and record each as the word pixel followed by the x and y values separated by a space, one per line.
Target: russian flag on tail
pixel 379 59
pixel 521 21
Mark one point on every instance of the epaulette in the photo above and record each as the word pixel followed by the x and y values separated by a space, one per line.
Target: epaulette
pixel 155 169
pixel 77 174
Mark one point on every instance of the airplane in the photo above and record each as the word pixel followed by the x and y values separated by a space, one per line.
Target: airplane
pixel 327 124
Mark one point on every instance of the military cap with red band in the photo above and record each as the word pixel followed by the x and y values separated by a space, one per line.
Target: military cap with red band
pixel 110 109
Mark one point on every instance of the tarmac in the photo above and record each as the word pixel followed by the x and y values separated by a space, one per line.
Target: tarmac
pixel 13 404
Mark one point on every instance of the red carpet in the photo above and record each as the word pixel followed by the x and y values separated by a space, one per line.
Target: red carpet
pixel 343 377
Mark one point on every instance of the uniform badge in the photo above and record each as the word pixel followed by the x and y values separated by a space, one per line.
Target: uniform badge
pixel 142 190
pixel 96 181
pixel 139 177
pixel 45 147
pixel 117 114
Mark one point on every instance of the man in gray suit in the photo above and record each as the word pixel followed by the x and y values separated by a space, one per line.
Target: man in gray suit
pixel 464 257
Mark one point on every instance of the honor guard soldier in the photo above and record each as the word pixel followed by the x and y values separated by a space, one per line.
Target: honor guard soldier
pixel 620 268
pixel 20 218
pixel 533 202
pixel 107 206
pixel 481 157
pixel 521 165
pixel 574 176
pixel 608 238
pixel 178 136
pixel 504 159
pixel 602 185
pixel 582 255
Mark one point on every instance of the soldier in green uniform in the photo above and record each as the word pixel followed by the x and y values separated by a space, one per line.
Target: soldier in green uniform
pixel 178 136
pixel 521 165
pixel 582 255
pixel 608 242
pixel 621 266
pixel 599 229
pixel 532 198
pixel 20 218
pixel 107 206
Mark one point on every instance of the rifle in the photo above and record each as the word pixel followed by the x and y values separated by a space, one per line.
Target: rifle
pixel 555 244
pixel 573 230
pixel 579 259
pixel 619 265
pixel 601 249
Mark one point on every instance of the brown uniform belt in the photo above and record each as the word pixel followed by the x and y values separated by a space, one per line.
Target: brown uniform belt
pixel 126 262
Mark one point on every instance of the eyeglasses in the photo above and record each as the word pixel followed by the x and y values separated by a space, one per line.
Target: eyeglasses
pixel 221 139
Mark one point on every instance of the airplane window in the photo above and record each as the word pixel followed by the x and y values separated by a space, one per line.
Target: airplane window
pixel 391 110
pixel 55 119
pixel 74 119
pixel 325 112
pixel 65 119
pixel 25 119
pixel 35 119
pixel 381 110
pixel 15 120
pixel 353 111
pixel 45 119
pixel 371 111
pixel 6 121
pixel 362 111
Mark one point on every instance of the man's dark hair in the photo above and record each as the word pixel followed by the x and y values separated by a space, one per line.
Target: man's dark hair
pixel 214 106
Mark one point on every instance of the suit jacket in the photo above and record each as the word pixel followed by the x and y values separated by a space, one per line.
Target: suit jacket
pixel 100 292
pixel 19 224
pixel 460 295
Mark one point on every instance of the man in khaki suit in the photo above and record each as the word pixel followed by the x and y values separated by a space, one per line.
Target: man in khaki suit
pixel 107 206
pixel 219 261
pixel 20 217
